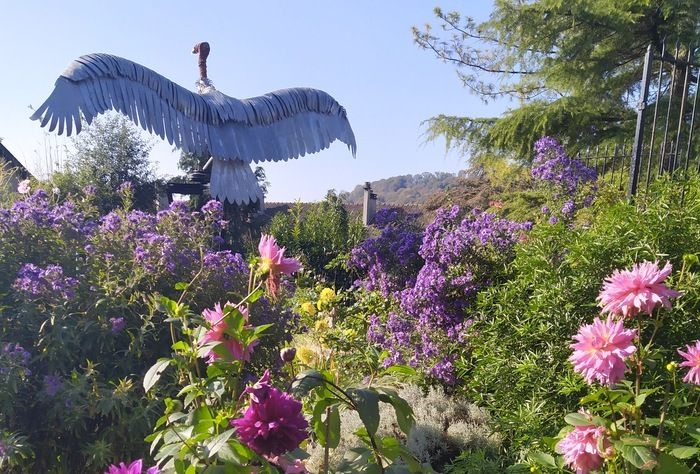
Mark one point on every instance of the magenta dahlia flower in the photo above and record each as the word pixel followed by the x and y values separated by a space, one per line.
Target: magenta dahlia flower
pixel 134 468
pixel 629 292
pixel 218 333
pixel 580 448
pixel 601 350
pixel 692 360
pixel 274 263
pixel 272 424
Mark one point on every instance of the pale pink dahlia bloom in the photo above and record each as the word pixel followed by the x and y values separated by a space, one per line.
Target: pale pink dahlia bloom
pixel 218 333
pixel 134 468
pixel 629 292
pixel 580 448
pixel 692 360
pixel 600 350
pixel 274 263
pixel 23 187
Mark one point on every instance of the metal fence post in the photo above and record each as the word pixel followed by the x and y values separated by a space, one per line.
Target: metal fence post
pixel 639 130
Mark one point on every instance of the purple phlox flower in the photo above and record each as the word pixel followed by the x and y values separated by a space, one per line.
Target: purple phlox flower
pixel 37 282
pixel 568 208
pixel 118 324
pixel 126 187
pixel 552 164
pixel 52 384
pixel 213 209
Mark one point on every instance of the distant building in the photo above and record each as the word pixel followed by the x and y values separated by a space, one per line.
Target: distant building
pixel 8 159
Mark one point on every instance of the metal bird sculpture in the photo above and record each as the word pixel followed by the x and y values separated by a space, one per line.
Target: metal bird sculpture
pixel 284 124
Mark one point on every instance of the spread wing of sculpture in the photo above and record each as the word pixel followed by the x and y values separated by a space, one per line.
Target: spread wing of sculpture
pixel 284 124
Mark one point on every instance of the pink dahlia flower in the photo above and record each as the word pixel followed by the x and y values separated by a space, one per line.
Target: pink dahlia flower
pixel 629 292
pixel 218 333
pixel 580 448
pixel 692 360
pixel 274 263
pixel 288 466
pixel 600 351
pixel 272 424
pixel 134 468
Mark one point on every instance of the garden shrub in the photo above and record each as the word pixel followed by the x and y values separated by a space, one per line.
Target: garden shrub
pixel 516 363
pixel 444 427
pixel 80 323
pixel 321 235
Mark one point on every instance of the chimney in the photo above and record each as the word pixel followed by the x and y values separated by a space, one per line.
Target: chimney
pixel 369 205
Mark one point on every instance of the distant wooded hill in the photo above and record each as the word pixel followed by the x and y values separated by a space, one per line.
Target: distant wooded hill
pixel 405 190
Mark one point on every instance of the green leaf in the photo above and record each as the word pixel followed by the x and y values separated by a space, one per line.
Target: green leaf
pixel 216 443
pixel 685 452
pixel 330 424
pixel 668 465
pixel 639 399
pixel 307 381
pixel 577 419
pixel 180 285
pixel 640 457
pixel 154 373
pixel 366 402
pixel 542 459
pixel 404 413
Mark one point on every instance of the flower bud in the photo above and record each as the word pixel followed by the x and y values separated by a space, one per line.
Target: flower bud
pixel 671 366
pixel 287 354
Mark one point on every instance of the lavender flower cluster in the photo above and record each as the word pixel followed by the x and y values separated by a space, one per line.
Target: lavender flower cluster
pixel 37 282
pixel 38 210
pixel 14 358
pixel 461 255
pixel 573 182
pixel 554 165
pixel 389 261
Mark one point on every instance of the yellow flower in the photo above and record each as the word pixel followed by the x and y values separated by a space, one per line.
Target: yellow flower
pixel 323 324
pixel 327 294
pixel 671 366
pixel 349 333
pixel 308 308
pixel 306 355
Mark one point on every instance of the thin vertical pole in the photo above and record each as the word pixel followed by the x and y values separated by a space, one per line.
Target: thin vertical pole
pixel 656 114
pixel 612 166
pixel 639 129
pixel 622 164
pixel 692 123
pixel 681 113
pixel 668 111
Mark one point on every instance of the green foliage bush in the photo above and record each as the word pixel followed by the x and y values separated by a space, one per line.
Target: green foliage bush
pixel 516 361
pixel 321 235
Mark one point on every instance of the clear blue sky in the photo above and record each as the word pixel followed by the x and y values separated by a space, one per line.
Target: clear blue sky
pixel 361 52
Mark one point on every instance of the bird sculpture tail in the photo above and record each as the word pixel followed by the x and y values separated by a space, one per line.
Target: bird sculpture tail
pixel 235 182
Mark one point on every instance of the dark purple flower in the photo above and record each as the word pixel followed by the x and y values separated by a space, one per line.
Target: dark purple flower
pixel 272 424
pixel 52 384
pixel 118 324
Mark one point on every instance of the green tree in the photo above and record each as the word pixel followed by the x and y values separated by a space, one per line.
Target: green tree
pixel 573 68
pixel 106 154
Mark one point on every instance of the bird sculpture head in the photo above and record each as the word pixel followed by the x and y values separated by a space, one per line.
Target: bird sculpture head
pixel 204 84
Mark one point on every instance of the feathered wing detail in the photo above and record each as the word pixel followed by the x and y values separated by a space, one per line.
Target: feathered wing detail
pixel 284 124
pixel 235 182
